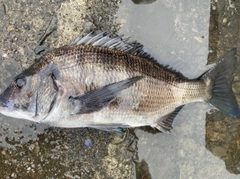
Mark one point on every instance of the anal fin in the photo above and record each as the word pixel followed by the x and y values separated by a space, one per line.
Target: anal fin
pixel 165 122
pixel 115 128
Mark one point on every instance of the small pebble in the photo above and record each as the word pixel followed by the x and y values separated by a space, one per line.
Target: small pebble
pixel 214 8
pixel 14 175
pixel 89 143
pixel 88 26
pixel 26 27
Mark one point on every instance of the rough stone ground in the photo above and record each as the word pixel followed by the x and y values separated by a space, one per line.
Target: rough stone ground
pixel 222 133
pixel 29 150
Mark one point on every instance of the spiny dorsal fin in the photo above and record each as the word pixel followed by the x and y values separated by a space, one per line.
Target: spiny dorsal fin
pixel 102 39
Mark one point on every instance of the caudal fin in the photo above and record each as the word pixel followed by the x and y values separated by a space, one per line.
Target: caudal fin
pixel 219 81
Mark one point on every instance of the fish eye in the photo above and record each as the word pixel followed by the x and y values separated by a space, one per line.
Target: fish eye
pixel 20 82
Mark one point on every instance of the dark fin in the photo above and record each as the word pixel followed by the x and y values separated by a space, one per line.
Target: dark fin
pixel 99 98
pixel 219 80
pixel 102 39
pixel 165 122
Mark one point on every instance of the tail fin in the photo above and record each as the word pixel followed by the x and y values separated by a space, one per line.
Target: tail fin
pixel 219 80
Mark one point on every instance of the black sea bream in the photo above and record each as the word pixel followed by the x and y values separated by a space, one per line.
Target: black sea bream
pixel 106 83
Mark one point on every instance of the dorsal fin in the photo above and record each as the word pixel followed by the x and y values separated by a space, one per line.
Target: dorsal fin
pixel 102 39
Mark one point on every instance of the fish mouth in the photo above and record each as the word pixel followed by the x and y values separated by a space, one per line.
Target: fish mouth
pixel 3 101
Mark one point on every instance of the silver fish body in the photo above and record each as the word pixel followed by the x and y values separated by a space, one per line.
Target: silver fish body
pixel 106 83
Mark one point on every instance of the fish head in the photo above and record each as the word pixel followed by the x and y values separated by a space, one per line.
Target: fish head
pixel 18 99
pixel 29 96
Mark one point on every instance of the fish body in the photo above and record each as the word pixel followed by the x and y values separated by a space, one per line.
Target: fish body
pixel 106 83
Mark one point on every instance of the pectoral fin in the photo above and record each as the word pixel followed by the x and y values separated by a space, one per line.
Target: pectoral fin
pixel 99 98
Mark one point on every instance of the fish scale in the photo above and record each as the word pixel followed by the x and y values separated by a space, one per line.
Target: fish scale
pixel 152 102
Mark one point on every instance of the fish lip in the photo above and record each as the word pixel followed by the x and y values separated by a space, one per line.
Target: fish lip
pixel 5 96
pixel 3 101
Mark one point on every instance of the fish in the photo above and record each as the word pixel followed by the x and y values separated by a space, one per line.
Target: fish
pixel 109 83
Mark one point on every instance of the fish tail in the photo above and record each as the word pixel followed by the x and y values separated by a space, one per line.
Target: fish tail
pixel 219 85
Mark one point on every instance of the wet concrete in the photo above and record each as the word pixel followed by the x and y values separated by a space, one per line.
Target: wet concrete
pixel 177 33
pixel 188 35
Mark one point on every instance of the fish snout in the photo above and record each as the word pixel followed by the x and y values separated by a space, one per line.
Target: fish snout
pixel 5 100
